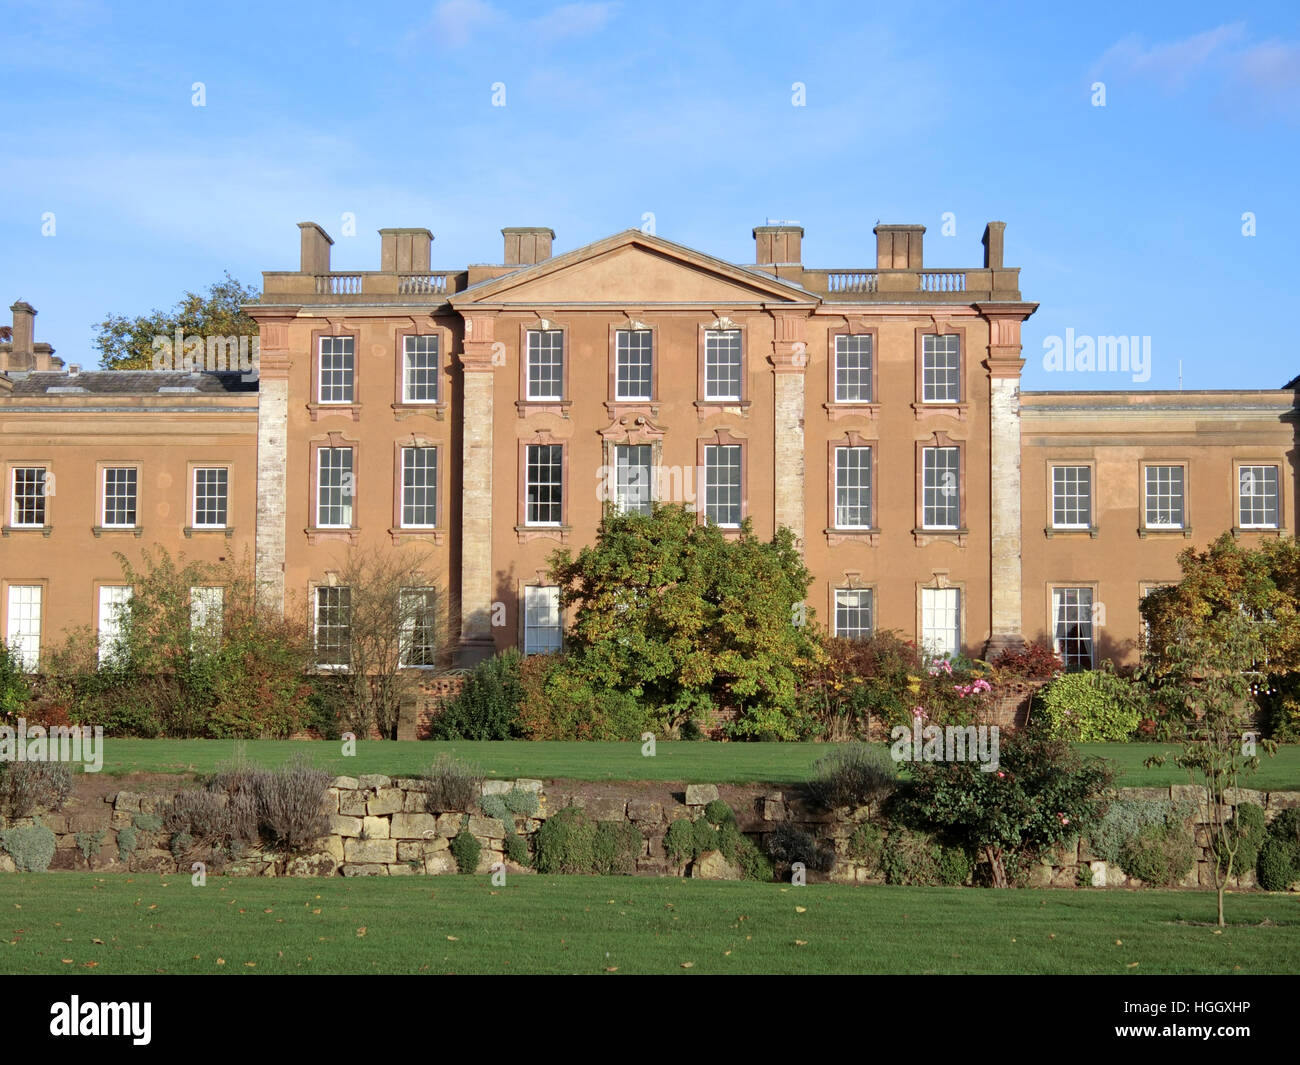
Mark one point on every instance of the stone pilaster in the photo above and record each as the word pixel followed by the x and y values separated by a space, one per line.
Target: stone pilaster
pixel 789 361
pixel 274 366
pixel 1004 365
pixel 477 572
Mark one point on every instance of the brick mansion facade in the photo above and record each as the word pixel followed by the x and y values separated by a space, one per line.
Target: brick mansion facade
pixel 483 416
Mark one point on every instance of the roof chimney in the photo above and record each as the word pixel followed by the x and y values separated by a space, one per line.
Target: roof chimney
pixel 779 244
pixel 898 247
pixel 994 233
pixel 24 328
pixel 527 245
pixel 315 249
pixel 404 251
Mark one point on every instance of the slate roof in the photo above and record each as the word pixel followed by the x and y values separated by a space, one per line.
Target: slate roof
pixel 133 383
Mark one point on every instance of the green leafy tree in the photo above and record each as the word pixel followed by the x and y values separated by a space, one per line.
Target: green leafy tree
pixel 1204 685
pixel 128 343
pixel 687 618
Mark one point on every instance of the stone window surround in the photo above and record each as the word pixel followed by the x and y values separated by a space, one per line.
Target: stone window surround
pixel 921 534
pixel 1184 530
pixel 1049 529
pixel 852 582
pixel 615 405
pixel 7 491
pixel 23 582
pixel 525 406
pixel 101 498
pixel 315 407
pixel 834 535
pixel 400 533
pixel 722 438
pixel 835 408
pixel 191 468
pixel 1051 586
pixel 707 407
pixel 1238 530
pixel 940 581
pixel 402 407
pixel 958 410
pixel 315 533
pixel 524 531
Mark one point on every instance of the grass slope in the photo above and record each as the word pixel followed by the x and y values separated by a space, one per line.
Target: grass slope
pixel 723 763
pixel 90 923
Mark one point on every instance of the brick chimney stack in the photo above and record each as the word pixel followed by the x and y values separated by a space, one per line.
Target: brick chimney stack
pixel 315 249
pixel 405 251
pixel 898 247
pixel 527 245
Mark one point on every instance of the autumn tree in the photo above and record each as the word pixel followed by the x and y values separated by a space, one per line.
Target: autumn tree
pixel 127 343
pixel 688 617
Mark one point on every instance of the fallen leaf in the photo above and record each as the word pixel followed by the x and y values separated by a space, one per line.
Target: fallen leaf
pixel 221 961
pixel 801 942
pixel 67 961
pixel 800 909
pixel 361 932
pixel 89 964
pixel 688 965
pixel 611 969
pixel 452 939
pixel 1132 965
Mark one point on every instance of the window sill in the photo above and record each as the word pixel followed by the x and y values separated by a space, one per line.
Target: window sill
pixel 1270 530
pixel 852 410
pixel 133 530
pixel 618 407
pixel 835 537
pixel 527 533
pixel 321 410
pixel 525 407
pixel 412 410
pixel 199 530
pixel 44 530
pixel 707 408
pixel 317 535
pixel 924 536
pixel 434 535
pixel 1090 531
pixel 1172 531
pixel 945 410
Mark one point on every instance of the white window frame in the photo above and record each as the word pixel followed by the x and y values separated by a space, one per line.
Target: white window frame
pixel 931 476
pixel 713 349
pixel 625 501
pixel 430 488
pixel 40 498
pixel 1073 605
pixel 535 506
pixel 410 343
pixel 208 610
pixel 714 488
pixel 539 342
pixel 113 600
pixel 864 375
pixel 1065 490
pixel 542 619
pixel 1242 473
pixel 843 489
pixel 930 368
pixel 1164 492
pixel 225 496
pixel 429 596
pixel 343 592
pixel 346 381
pixel 23 628
pixel 347 477
pixel 134 482
pixel 623 353
pixel 855 632
pixel 941 621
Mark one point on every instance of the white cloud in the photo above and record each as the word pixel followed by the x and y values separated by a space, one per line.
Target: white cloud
pixel 1172 63
pixel 574 20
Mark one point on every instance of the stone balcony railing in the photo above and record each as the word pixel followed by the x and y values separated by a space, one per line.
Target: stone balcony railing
pixel 910 286
pixel 360 286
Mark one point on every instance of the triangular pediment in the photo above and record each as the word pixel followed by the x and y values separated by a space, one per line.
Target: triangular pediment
pixel 633 269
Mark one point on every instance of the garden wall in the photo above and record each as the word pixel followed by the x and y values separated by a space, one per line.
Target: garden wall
pixel 380 826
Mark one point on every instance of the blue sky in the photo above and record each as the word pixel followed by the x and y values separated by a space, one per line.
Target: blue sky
pixel 1125 219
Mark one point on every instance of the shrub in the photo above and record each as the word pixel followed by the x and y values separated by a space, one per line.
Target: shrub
pixel 31 847
pixel 213 820
pixel 495 806
pixel 866 845
pixel 1248 831
pixel 788 844
pixel 1127 817
pixel 181 844
pixel 465 848
pixel 1159 854
pixel 679 842
pixel 290 805
pixel 1036 662
pixel 616 847
pixel 1042 793
pixel 566 843
pixel 487 706
pixel 919 858
pixel 451 785
pixel 854 775
pixel 26 786
pixel 516 848
pixel 1278 864
pixel 89 843
pixel 14 688
pixel 146 822
pixel 522 802
pixel 751 861
pixel 718 812
pixel 327 703
pixel 1094 706
pixel 127 840
pixel 560 705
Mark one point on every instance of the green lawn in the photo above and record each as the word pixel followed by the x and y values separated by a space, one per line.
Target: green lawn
pixel 733 763
pixel 92 923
